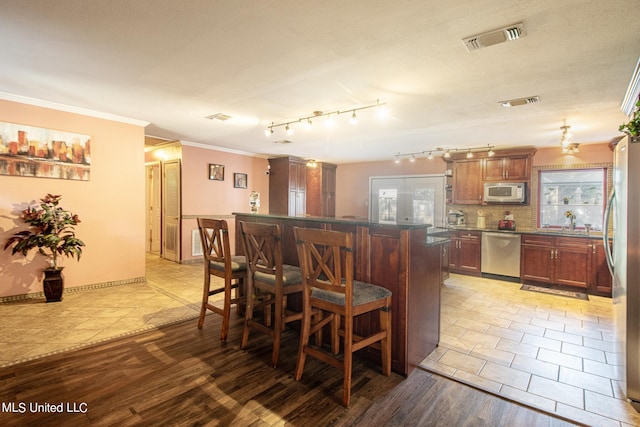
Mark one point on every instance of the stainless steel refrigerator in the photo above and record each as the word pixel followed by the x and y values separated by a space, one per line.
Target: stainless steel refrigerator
pixel 624 262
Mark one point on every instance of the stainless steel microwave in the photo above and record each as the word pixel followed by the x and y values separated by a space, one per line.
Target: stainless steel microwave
pixel 505 192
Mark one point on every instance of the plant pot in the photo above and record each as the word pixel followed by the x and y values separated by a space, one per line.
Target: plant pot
pixel 53 284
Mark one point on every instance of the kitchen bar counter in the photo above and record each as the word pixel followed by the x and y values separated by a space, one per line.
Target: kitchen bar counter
pixel 400 257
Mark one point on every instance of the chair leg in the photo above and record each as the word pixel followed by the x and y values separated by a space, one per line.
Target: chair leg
pixel 335 333
pixel 305 329
pixel 385 343
pixel 278 326
pixel 226 312
pixel 348 361
pixel 248 315
pixel 205 300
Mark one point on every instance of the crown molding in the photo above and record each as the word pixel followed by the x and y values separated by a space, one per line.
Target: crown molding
pixel 70 109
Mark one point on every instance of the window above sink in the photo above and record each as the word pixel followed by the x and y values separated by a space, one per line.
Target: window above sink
pixel 567 193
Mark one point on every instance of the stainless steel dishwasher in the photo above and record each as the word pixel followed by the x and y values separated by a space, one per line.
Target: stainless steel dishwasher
pixel 501 254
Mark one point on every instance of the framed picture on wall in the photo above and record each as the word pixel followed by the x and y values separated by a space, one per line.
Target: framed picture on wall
pixel 216 172
pixel 240 180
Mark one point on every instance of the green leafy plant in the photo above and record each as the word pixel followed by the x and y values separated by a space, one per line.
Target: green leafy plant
pixel 633 126
pixel 51 231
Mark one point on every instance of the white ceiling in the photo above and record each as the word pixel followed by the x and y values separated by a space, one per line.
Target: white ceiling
pixel 172 63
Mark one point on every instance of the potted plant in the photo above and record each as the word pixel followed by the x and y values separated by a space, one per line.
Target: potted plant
pixel 52 232
pixel 632 128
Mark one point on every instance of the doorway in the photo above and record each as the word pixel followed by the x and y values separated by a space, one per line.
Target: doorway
pixel 153 200
pixel 171 210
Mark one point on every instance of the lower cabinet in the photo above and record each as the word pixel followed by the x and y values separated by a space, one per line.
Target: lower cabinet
pixel 601 283
pixel 565 261
pixel 464 252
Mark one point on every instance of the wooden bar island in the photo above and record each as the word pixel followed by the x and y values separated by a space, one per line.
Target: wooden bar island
pixel 399 257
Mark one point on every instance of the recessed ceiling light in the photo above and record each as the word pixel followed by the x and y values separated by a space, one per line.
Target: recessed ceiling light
pixel 218 116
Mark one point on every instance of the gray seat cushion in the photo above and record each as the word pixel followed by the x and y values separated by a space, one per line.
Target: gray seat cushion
pixel 362 293
pixel 291 275
pixel 238 263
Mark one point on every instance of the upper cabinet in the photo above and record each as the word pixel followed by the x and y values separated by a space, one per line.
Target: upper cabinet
pixel 467 188
pixel 507 168
pixel 465 182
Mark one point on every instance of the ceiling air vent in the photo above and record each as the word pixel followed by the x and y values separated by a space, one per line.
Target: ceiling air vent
pixel 520 101
pixel 218 116
pixel 282 141
pixel 512 32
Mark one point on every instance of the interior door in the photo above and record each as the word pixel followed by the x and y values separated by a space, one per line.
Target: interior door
pixel 171 210
pixel 154 208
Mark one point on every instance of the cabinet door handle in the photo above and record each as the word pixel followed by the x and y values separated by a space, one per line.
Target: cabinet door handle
pixel 556 253
pixel 551 253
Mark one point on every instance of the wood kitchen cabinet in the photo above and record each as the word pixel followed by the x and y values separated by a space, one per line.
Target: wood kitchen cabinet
pixel 321 190
pixel 467 186
pixel 555 260
pixel 508 168
pixel 287 186
pixel 464 252
pixel 601 283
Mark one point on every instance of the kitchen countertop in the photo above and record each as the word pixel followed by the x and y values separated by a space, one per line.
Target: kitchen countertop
pixel 523 230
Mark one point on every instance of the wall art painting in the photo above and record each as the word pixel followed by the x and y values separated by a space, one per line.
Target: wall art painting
pixel 240 180
pixel 44 153
pixel 216 172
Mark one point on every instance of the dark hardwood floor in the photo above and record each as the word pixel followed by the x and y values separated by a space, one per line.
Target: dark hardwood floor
pixel 181 376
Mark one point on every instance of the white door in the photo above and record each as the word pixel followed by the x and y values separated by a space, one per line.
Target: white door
pixel 171 210
pixel 154 208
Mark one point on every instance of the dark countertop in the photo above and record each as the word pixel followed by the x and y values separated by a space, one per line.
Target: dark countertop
pixel 437 240
pixel 547 232
pixel 333 220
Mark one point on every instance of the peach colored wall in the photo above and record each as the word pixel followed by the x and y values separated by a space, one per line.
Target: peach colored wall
pixel 352 192
pixel 110 205
pixel 201 196
pixel 592 153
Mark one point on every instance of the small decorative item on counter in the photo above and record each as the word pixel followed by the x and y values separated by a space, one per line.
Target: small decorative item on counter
pixel 508 215
pixel 254 201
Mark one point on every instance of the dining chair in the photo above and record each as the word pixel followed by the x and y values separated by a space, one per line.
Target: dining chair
pixel 218 262
pixel 327 262
pixel 269 281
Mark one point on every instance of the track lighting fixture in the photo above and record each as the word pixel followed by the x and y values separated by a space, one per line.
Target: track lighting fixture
pixel 306 121
pixel 446 153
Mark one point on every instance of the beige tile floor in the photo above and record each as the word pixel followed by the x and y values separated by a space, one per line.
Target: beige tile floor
pixel 550 352
pixel 33 328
